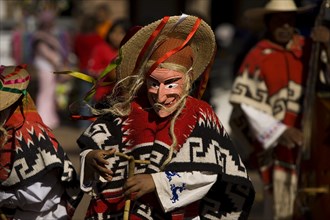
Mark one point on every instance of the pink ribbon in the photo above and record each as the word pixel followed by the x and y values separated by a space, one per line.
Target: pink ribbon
pixel 10 82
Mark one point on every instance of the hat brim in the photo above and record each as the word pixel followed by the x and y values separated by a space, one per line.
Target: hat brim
pixel 8 98
pixel 202 44
pixel 255 16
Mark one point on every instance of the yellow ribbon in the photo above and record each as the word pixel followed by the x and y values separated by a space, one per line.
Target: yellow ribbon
pixel 92 80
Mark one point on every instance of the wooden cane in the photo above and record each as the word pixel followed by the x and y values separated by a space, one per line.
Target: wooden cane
pixel 131 167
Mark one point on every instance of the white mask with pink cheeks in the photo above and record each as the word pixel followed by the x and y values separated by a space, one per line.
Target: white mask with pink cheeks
pixel 165 88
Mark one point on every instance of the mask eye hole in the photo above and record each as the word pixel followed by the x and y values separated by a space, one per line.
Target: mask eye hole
pixel 153 83
pixel 171 86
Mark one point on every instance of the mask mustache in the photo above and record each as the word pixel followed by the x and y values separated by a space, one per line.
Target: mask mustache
pixel 161 106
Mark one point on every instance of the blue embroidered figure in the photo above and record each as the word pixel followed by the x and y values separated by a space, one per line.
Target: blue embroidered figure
pixel 174 189
pixel 170 174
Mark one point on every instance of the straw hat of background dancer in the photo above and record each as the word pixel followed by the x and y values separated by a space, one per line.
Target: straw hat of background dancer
pixel 255 16
pixel 13 83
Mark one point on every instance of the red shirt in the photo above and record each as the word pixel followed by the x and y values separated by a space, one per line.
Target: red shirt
pixel 100 58
pixel 83 47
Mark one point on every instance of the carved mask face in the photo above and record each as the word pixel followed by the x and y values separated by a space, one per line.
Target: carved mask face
pixel 165 88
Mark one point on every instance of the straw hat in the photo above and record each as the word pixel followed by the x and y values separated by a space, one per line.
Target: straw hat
pixel 13 83
pixel 202 44
pixel 274 6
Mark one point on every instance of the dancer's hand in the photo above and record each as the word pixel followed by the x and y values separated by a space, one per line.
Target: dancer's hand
pixel 96 161
pixel 321 34
pixel 140 184
pixel 291 137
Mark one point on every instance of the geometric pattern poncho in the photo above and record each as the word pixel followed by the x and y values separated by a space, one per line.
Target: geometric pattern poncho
pixel 203 145
pixel 271 79
pixel 31 151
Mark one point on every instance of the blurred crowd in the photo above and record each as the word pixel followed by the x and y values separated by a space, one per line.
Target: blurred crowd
pixel 87 46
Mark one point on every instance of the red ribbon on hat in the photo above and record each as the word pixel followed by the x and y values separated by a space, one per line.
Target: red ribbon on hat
pixel 154 34
pixel 175 50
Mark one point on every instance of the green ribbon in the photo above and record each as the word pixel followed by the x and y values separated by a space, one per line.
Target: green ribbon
pixel 12 90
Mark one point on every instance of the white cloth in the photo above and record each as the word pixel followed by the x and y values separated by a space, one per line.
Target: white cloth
pixel 265 127
pixel 85 185
pixel 40 200
pixel 194 185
